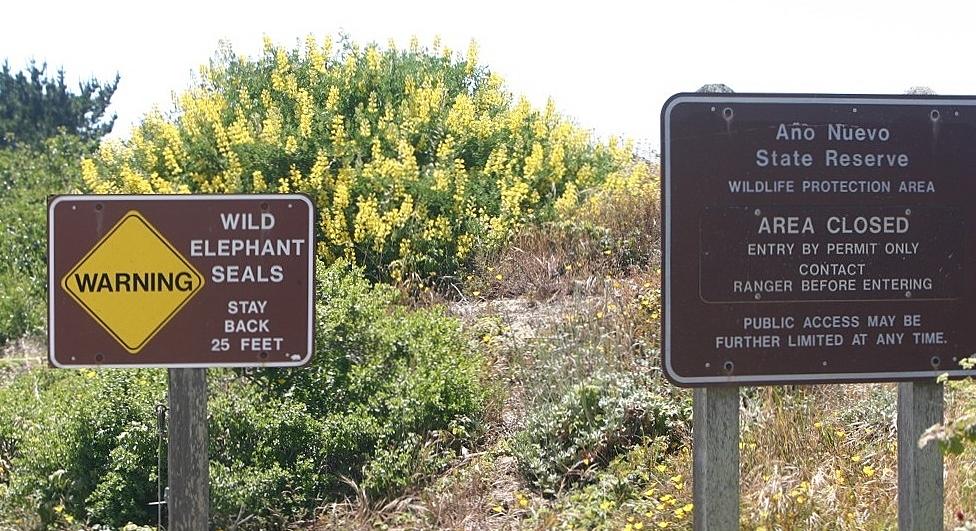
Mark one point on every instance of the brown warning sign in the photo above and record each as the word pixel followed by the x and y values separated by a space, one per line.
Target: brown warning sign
pixel 817 238
pixel 180 281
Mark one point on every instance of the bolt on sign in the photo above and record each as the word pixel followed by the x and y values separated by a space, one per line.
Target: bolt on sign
pixel 816 238
pixel 180 281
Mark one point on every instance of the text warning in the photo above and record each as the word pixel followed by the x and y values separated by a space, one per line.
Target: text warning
pixel 180 281
pixel 813 238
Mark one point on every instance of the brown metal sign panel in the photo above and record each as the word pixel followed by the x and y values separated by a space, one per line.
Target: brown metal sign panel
pixel 180 281
pixel 814 238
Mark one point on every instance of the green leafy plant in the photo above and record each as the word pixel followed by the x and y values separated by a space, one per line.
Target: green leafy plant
pixel 34 107
pixel 28 175
pixel 390 396
pixel 571 440
pixel 416 159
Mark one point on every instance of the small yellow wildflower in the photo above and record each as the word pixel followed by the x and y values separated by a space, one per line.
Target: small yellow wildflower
pixel 498 508
pixel 868 470
pixel 663 525
pixel 639 525
pixel 661 468
pixel 818 424
pixel 856 458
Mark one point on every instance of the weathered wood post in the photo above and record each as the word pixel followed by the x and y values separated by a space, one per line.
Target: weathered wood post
pixel 715 439
pixel 189 474
pixel 783 174
pixel 920 470
pixel 185 282
pixel 920 479
pixel 716 458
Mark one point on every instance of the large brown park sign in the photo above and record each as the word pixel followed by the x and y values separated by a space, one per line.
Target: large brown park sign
pixel 180 281
pixel 818 238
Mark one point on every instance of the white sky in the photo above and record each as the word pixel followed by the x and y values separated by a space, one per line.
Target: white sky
pixel 608 64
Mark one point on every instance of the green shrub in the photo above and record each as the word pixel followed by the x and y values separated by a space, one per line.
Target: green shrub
pixel 592 422
pixel 415 158
pixel 268 456
pixel 390 395
pixel 384 380
pixel 28 175
pixel 80 444
pixel 593 389
pixel 22 308
pixel 645 487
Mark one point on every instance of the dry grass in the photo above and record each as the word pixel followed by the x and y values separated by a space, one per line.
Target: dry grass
pixel 813 457
pixel 819 457
pixel 617 239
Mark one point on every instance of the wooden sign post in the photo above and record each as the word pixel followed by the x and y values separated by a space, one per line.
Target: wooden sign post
pixel 715 446
pixel 188 502
pixel 920 470
pixel 715 475
pixel 183 283
pixel 814 238
pixel 921 496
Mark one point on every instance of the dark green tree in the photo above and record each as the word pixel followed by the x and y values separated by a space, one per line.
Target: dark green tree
pixel 35 106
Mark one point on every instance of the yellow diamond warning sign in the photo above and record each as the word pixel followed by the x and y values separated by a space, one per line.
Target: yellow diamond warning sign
pixel 133 281
pixel 181 281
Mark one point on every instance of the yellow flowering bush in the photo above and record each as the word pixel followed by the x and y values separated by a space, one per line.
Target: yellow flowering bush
pixel 416 158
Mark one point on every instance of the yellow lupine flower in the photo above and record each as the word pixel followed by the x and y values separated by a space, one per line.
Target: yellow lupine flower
pixel 366 168
pixel 291 145
pixel 271 126
pixel 472 58
pixel 258 183
pixel 89 173
pixel 372 58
